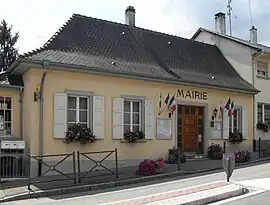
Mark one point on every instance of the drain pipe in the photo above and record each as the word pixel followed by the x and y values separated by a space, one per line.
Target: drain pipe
pixel 254 57
pixel 41 117
pixel 21 114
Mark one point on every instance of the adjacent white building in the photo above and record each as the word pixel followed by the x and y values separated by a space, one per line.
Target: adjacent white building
pixel 251 60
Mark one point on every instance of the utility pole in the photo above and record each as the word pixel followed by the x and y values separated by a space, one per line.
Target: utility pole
pixel 230 15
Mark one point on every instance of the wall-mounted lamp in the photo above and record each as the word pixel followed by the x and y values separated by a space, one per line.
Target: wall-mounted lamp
pixel 37 93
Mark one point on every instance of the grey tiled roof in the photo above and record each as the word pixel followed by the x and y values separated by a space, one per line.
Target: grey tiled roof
pixel 90 43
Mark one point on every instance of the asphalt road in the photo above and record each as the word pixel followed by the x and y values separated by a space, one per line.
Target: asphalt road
pixel 243 174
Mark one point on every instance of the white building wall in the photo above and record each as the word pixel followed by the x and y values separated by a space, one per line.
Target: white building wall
pixel 240 57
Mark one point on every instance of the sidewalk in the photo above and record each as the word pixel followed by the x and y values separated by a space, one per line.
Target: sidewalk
pixel 98 180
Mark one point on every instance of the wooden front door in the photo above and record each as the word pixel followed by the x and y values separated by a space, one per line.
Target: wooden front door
pixel 190 128
pixel 190 134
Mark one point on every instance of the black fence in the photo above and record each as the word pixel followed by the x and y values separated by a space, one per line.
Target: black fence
pixel 49 168
pixel 97 163
pixel 62 167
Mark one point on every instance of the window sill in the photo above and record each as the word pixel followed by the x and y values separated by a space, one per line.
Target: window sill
pixel 138 141
pixel 263 77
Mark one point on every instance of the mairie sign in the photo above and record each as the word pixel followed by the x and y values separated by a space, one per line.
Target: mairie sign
pixel 191 94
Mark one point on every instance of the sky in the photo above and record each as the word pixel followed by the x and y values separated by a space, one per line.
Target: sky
pixel 37 20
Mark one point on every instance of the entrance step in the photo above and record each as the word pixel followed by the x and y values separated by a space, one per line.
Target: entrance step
pixel 194 157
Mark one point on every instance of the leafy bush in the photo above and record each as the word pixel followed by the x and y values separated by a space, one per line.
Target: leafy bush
pixel 149 167
pixel 242 156
pixel 214 151
pixel 235 138
pixel 80 133
pixel 132 137
pixel 262 126
pixel 174 156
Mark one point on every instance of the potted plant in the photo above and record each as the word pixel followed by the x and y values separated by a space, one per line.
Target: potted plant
pixel 214 151
pixel 174 155
pixel 242 156
pixel 79 133
pixel 235 138
pixel 262 126
pixel 132 137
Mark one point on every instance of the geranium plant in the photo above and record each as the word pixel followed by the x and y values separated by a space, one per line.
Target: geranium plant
pixel 150 167
pixel 79 133
pixel 262 126
pixel 214 151
pixel 235 138
pixel 242 156
pixel 132 137
pixel 174 155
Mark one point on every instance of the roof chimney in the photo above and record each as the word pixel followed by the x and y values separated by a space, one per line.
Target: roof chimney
pixel 130 16
pixel 253 35
pixel 220 22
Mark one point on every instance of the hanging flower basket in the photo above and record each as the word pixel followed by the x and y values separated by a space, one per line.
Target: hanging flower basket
pixel 80 134
pixel 132 137
pixel 262 126
pixel 235 138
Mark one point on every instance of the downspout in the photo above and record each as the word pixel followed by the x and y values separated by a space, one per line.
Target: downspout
pixel 254 57
pixel 41 117
pixel 21 114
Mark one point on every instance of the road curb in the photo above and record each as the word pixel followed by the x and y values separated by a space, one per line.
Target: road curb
pixel 218 197
pixel 83 188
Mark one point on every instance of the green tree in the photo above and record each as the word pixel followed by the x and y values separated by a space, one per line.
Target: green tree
pixel 8 51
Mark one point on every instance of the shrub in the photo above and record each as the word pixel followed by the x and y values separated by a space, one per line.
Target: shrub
pixel 149 167
pixel 80 133
pixel 174 156
pixel 242 156
pixel 214 151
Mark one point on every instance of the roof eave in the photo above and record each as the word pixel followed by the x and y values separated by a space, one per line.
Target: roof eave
pixel 92 70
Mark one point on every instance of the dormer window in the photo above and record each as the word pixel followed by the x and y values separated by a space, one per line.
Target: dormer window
pixel 262 69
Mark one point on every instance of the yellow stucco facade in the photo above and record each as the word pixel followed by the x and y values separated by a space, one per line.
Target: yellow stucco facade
pixel 109 88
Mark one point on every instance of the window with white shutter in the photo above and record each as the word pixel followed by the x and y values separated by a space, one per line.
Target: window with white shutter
pixel 71 108
pixel 60 115
pixel 98 116
pixel 118 118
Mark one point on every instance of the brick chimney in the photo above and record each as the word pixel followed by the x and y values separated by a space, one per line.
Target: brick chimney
pixel 220 23
pixel 130 16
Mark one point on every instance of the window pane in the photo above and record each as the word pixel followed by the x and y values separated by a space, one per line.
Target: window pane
pixel 135 118
pixel 2 101
pixel 83 103
pixel 135 128
pixel 8 128
pixel 127 106
pixel 83 117
pixel 72 102
pixel 126 118
pixel 84 125
pixel 71 115
pixel 267 114
pixel 8 115
pixel 70 125
pixel 8 102
pixel 259 113
pixel 136 106
pixel 126 128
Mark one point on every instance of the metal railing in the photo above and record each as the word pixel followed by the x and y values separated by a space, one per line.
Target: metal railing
pixel 52 169
pixel 97 163
pixel 13 165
